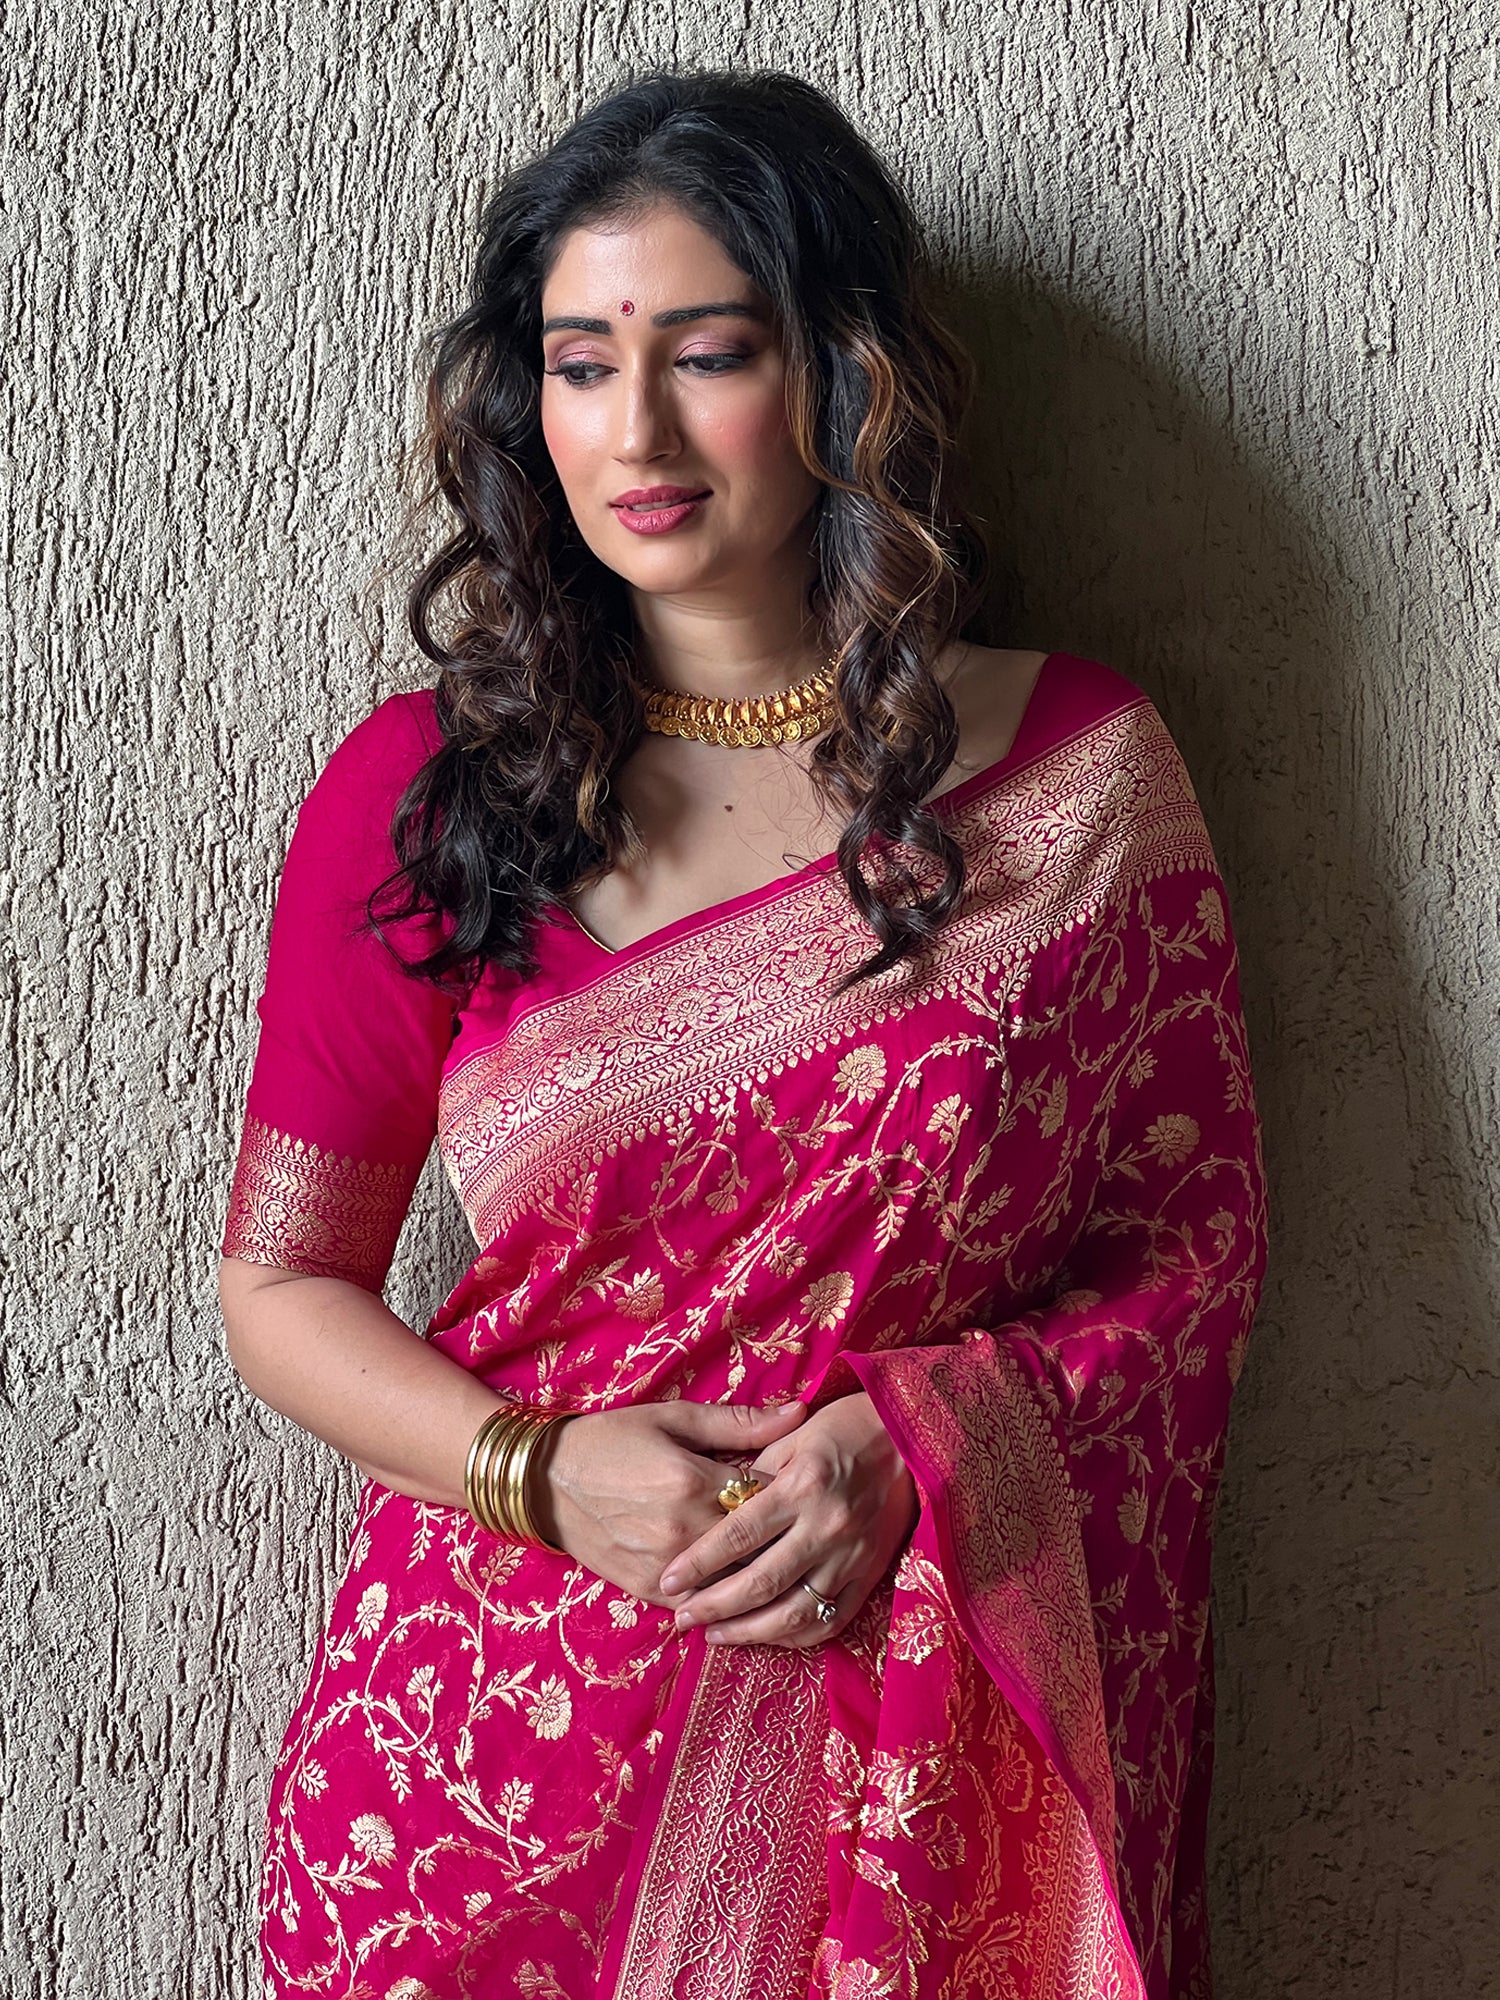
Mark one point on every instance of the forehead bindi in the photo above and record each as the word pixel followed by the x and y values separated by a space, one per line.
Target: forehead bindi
pixel 660 270
pixel 744 312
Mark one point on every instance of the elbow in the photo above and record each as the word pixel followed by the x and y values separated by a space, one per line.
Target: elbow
pixel 243 1291
pixel 237 1288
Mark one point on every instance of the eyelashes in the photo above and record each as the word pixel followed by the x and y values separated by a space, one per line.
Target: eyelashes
pixel 582 374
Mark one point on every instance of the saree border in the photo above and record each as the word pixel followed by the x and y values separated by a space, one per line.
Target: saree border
pixel 732 1895
pixel 309 1208
pixel 1006 1532
pixel 1081 1947
pixel 716 1014
pixel 1007 1521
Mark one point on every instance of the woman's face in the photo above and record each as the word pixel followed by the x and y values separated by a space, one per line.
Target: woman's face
pixel 671 439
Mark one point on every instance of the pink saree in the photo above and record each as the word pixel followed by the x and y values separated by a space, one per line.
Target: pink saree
pixel 1013 1191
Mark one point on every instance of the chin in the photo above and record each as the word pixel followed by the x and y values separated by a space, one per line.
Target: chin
pixel 666 572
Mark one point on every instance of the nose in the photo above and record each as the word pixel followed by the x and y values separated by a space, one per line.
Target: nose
pixel 648 417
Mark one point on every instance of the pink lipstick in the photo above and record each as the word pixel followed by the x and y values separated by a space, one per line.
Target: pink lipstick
pixel 656 510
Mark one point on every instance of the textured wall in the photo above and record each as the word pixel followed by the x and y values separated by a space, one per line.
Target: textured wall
pixel 1231 272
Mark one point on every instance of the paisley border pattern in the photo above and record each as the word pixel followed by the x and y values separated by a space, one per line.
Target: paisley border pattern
pixel 309 1209
pixel 734 1890
pixel 1011 1518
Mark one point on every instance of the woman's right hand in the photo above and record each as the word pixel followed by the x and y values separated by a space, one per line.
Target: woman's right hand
pixel 624 1491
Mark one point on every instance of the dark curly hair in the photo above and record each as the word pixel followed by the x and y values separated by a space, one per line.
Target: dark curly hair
pixel 537 698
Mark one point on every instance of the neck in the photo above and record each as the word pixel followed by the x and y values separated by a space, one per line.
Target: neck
pixel 755 638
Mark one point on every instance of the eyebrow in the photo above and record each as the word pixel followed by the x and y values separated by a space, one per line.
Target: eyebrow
pixel 674 316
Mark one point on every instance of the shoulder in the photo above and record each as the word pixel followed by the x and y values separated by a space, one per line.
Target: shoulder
pixel 400 732
pixel 385 749
pixel 999 693
pixel 352 800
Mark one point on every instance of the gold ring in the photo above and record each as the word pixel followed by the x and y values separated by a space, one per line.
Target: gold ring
pixel 734 1492
pixel 827 1609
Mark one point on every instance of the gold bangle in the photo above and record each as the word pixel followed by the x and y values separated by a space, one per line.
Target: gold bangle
pixel 499 1481
pixel 506 1509
pixel 492 1481
pixel 493 1486
pixel 480 1450
pixel 521 1465
pixel 501 1507
pixel 492 1445
pixel 479 1457
pixel 496 1470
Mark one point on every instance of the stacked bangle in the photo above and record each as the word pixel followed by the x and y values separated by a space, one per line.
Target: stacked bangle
pixel 495 1471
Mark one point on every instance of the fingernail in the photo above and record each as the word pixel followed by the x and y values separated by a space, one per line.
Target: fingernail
pixel 669 1585
pixel 683 1620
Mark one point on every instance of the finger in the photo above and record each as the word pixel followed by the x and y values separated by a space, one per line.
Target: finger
pixel 790 1619
pixel 753 1524
pixel 749 1589
pixel 731 1426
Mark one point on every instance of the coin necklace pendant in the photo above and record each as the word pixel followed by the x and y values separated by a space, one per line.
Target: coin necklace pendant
pixel 788 715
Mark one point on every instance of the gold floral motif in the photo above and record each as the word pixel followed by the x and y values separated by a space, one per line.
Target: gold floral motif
pixel 862 1071
pixel 1173 1138
pixel 372 1835
pixel 490 1622
pixel 307 1208
pixel 827 1300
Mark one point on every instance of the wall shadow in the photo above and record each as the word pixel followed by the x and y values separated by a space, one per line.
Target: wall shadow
pixel 1356 1768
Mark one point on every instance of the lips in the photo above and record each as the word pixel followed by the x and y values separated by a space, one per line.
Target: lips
pixel 640 497
pixel 657 510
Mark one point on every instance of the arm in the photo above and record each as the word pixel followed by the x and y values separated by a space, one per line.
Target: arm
pixel 626 1491
pixel 335 1359
pixel 340 1116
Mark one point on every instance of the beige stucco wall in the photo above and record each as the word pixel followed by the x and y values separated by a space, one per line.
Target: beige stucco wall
pixel 1231 271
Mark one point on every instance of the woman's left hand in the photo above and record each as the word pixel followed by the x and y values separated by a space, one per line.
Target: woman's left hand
pixel 840 1504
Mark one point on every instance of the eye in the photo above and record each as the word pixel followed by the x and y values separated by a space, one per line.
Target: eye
pixel 577 372
pixel 713 364
pixel 583 374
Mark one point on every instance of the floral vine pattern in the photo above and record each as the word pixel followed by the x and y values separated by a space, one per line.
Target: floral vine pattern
pixel 1014 1191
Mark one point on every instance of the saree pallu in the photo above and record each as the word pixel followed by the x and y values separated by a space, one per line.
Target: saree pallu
pixel 1011 1189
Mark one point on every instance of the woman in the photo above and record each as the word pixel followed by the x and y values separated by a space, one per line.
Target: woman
pixel 874 1237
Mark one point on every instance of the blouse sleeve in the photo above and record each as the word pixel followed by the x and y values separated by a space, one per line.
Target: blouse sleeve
pixel 341 1108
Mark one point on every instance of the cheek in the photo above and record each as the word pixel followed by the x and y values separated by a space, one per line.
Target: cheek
pixel 567 435
pixel 756 439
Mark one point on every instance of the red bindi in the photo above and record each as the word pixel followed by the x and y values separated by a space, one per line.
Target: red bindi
pixel 627 306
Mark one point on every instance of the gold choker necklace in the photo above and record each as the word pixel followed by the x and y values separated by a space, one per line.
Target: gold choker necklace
pixel 782 717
